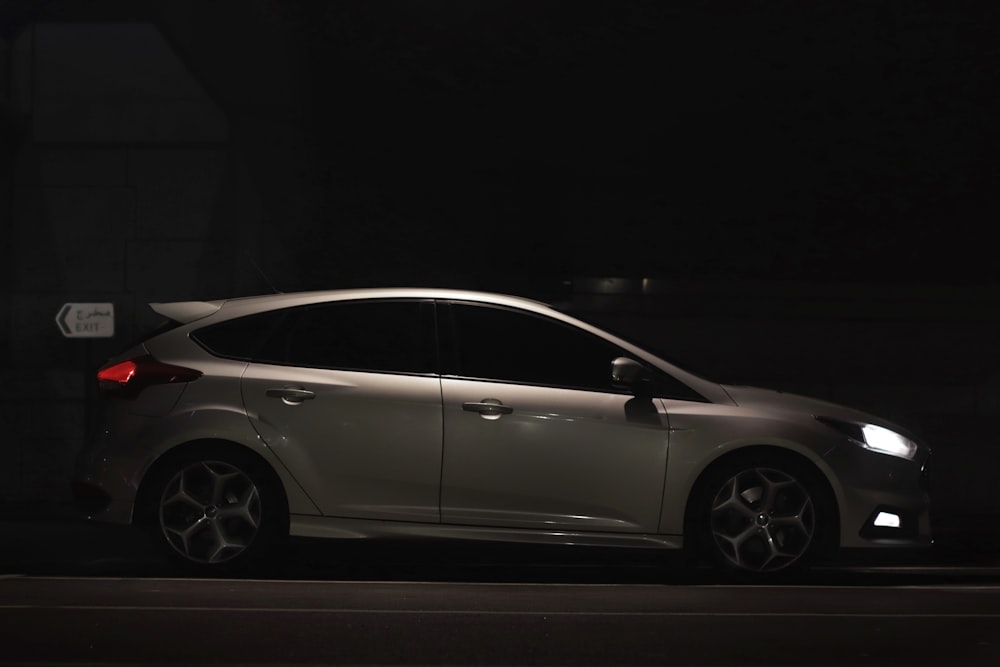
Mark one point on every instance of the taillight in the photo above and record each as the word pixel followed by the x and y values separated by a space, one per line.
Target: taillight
pixel 118 374
pixel 126 379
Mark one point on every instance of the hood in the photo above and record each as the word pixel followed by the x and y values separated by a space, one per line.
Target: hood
pixel 778 401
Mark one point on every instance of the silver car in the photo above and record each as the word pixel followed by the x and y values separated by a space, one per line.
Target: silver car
pixel 432 413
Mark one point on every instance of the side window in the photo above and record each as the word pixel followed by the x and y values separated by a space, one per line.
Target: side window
pixel 385 336
pixel 495 343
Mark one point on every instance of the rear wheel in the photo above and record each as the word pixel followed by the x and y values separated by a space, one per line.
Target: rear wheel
pixel 217 510
pixel 762 517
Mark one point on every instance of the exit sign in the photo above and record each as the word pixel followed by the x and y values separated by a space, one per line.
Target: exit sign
pixel 87 320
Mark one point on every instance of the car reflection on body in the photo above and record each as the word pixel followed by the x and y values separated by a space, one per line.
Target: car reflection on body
pixel 428 413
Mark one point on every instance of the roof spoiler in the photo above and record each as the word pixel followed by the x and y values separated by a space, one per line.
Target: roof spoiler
pixel 186 311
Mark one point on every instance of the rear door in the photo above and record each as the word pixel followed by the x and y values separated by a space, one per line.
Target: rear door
pixel 347 396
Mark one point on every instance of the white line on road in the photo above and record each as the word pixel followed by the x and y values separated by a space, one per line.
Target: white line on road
pixel 495 612
pixel 504 584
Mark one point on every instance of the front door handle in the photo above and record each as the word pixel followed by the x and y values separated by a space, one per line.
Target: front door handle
pixel 290 395
pixel 488 408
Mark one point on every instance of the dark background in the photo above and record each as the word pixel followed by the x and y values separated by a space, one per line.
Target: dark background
pixel 780 140
pixel 793 194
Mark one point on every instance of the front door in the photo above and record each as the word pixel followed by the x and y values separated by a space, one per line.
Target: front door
pixel 534 434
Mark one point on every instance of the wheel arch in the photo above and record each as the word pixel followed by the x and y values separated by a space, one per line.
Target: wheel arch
pixel 145 502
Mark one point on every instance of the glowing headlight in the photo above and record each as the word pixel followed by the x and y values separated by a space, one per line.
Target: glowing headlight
pixel 888 442
pixel 875 438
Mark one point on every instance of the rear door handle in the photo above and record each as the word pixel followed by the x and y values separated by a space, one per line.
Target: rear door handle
pixel 290 395
pixel 488 408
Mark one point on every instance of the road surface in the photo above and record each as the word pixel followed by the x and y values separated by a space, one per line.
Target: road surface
pixel 54 620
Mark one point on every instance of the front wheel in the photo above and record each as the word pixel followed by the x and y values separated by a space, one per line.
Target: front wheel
pixel 761 517
pixel 217 511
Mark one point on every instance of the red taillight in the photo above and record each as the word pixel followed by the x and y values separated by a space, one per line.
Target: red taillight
pixel 128 378
pixel 118 373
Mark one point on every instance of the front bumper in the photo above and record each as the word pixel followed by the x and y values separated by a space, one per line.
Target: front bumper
pixel 884 500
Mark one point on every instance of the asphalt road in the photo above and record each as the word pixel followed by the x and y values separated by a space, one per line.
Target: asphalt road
pixel 183 621
pixel 74 593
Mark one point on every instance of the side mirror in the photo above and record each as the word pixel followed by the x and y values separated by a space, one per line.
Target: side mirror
pixel 629 374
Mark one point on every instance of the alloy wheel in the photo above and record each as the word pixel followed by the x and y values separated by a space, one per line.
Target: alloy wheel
pixel 762 520
pixel 210 512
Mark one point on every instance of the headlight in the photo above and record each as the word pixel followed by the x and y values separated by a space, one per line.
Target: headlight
pixel 875 438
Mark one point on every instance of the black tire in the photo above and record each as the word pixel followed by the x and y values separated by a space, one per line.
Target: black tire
pixel 762 516
pixel 215 510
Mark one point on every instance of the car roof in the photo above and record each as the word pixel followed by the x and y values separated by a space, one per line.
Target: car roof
pixel 190 311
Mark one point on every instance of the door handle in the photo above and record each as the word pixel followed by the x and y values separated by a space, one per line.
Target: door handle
pixel 290 395
pixel 488 408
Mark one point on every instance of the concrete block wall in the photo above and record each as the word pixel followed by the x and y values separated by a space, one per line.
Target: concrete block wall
pixel 115 83
pixel 118 191
pixel 127 183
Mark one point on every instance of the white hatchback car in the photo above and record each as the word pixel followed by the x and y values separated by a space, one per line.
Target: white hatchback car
pixel 431 413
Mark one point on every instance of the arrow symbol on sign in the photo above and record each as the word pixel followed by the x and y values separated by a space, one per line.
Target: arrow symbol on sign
pixel 61 319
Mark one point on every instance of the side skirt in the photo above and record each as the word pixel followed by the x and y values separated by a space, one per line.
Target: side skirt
pixel 337 528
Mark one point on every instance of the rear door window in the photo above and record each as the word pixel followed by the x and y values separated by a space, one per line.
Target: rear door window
pixel 393 336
